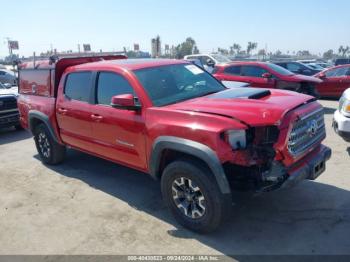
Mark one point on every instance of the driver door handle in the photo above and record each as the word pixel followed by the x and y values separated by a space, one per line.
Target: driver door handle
pixel 96 118
pixel 62 111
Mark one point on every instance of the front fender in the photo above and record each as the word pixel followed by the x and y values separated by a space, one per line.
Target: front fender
pixel 193 148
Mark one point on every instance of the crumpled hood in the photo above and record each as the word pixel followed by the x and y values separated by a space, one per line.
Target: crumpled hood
pixel 234 103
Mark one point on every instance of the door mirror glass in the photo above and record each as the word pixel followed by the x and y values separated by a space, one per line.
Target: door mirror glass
pixel 125 101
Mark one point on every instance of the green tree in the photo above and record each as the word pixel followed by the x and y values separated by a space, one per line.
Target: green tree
pixel 236 47
pixel 251 46
pixel 223 51
pixel 188 47
pixel 343 50
pixel 262 53
pixel 328 54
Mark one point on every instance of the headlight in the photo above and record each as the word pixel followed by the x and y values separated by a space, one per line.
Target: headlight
pixel 236 138
pixel 344 105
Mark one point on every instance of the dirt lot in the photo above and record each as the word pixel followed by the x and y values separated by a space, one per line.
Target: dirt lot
pixel 90 206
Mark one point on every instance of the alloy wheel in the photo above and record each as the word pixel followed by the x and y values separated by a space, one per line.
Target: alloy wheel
pixel 188 198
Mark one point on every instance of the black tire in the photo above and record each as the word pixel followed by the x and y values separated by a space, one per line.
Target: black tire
pixel 214 202
pixel 50 151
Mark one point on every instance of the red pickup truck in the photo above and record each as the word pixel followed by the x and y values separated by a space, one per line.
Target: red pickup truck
pixel 176 122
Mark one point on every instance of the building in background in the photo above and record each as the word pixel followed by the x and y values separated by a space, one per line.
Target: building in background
pixel 156 47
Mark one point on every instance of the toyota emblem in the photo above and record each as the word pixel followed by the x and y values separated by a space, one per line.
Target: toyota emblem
pixel 313 127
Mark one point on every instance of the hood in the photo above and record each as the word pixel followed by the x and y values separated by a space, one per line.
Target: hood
pixel 306 78
pixel 10 91
pixel 252 106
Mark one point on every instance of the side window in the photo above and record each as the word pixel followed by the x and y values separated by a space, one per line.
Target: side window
pixel 330 73
pixel 109 85
pixel 78 86
pixel 233 70
pixel 341 71
pixel 2 73
pixel 253 71
pixel 348 71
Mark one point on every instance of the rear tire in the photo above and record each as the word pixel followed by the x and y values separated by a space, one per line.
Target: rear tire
pixel 51 152
pixel 193 196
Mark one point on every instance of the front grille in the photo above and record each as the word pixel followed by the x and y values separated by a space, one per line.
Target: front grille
pixel 7 102
pixel 12 118
pixel 306 132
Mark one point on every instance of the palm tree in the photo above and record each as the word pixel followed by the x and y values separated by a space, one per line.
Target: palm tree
pixel 251 46
pixel 237 47
pixel 343 50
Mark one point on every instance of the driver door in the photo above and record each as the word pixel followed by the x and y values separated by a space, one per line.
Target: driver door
pixel 119 134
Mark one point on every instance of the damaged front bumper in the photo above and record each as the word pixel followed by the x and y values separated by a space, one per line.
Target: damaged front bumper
pixel 310 167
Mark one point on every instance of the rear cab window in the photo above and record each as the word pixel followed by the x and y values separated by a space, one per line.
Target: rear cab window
pixel 78 86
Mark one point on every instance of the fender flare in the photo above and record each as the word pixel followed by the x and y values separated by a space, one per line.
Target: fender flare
pixel 193 148
pixel 33 115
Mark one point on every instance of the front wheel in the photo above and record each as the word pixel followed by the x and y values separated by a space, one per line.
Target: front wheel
pixel 49 150
pixel 193 197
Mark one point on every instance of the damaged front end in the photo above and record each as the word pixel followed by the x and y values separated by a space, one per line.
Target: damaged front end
pixel 255 168
pixel 268 162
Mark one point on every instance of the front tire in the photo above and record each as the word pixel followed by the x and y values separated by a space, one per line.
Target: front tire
pixel 193 197
pixel 50 151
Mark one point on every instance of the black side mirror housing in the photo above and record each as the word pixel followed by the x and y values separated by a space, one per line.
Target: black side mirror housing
pixel 210 63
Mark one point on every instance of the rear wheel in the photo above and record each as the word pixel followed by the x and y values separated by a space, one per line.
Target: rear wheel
pixel 49 150
pixel 193 197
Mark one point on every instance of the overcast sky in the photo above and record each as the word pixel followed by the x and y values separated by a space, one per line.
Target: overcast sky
pixel 315 25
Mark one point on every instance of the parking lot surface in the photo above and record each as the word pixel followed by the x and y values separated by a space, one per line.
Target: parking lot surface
pixel 91 206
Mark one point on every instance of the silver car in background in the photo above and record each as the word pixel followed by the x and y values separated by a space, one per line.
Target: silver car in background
pixel 8 77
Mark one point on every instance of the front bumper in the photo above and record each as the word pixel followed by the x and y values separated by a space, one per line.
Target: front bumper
pixel 9 119
pixel 310 167
pixel 341 125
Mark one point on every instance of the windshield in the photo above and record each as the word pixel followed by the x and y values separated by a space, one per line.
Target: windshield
pixel 221 58
pixel 280 70
pixel 175 83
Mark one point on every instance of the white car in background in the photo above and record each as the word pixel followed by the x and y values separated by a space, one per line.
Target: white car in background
pixel 341 120
pixel 7 89
pixel 209 61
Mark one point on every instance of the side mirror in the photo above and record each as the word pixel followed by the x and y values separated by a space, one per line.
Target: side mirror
pixel 322 76
pixel 210 63
pixel 266 75
pixel 126 102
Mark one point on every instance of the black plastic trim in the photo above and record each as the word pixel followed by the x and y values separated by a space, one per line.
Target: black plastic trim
pixel 33 115
pixel 193 148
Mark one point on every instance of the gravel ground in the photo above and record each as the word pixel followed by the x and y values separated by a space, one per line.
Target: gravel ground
pixel 91 206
